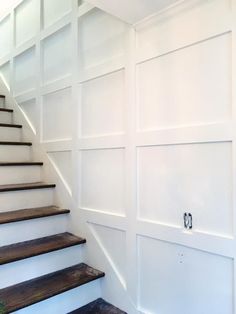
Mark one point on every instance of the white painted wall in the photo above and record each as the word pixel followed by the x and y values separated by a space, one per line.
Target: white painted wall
pixel 139 124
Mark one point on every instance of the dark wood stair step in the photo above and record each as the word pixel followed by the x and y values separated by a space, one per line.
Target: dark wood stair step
pixel 2 96
pixel 6 110
pixel 22 250
pixel 35 290
pixel 23 163
pixel 31 213
pixel 26 186
pixel 10 125
pixel 98 306
pixel 15 143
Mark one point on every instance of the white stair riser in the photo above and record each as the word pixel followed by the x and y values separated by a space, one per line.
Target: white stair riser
pixel 33 267
pixel 20 174
pixel 15 153
pixel 10 134
pixel 67 301
pixel 26 199
pixel 32 229
pixel 5 117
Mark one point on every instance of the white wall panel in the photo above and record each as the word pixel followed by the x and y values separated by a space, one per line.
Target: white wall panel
pixel 189 86
pixel 103 105
pixel 63 163
pixel 57 65
pixel 195 20
pixel 102 180
pixel 177 279
pixel 24 71
pixel 26 21
pixel 54 10
pixel 108 43
pixel 194 178
pixel 109 238
pixel 5 72
pixel 6 37
pixel 31 112
pixel 57 115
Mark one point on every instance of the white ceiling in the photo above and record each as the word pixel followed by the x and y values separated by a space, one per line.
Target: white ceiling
pixel 132 11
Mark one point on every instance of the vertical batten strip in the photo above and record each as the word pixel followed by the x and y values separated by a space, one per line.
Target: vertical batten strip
pixel 130 169
pixel 233 87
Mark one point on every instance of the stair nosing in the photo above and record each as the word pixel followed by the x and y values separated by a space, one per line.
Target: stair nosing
pixel 35 216
pixel 29 283
pixel 26 186
pixel 6 110
pixel 43 251
pixel 23 163
pixel 10 125
pixel 12 143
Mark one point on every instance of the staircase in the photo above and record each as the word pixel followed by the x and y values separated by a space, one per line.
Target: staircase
pixel 39 259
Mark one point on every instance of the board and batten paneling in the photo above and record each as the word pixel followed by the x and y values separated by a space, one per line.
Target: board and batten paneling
pixel 54 10
pixel 184 280
pixel 165 97
pixel 6 37
pixel 139 124
pixel 57 113
pixel 56 65
pixel 27 19
pixel 185 159
pixel 24 71
pixel 174 179
pixel 102 109
pixel 102 180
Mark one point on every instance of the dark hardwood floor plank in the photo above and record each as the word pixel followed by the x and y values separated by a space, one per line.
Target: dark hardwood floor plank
pixel 23 163
pixel 98 306
pixel 35 290
pixel 31 213
pixel 10 125
pixel 26 186
pixel 26 249
pixel 6 110
pixel 12 143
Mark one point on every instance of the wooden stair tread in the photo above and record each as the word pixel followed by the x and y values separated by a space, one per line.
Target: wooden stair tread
pixel 10 125
pixel 31 213
pixel 35 290
pixel 26 186
pixel 21 163
pixel 98 306
pixel 2 96
pixel 15 143
pixel 6 110
pixel 22 250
